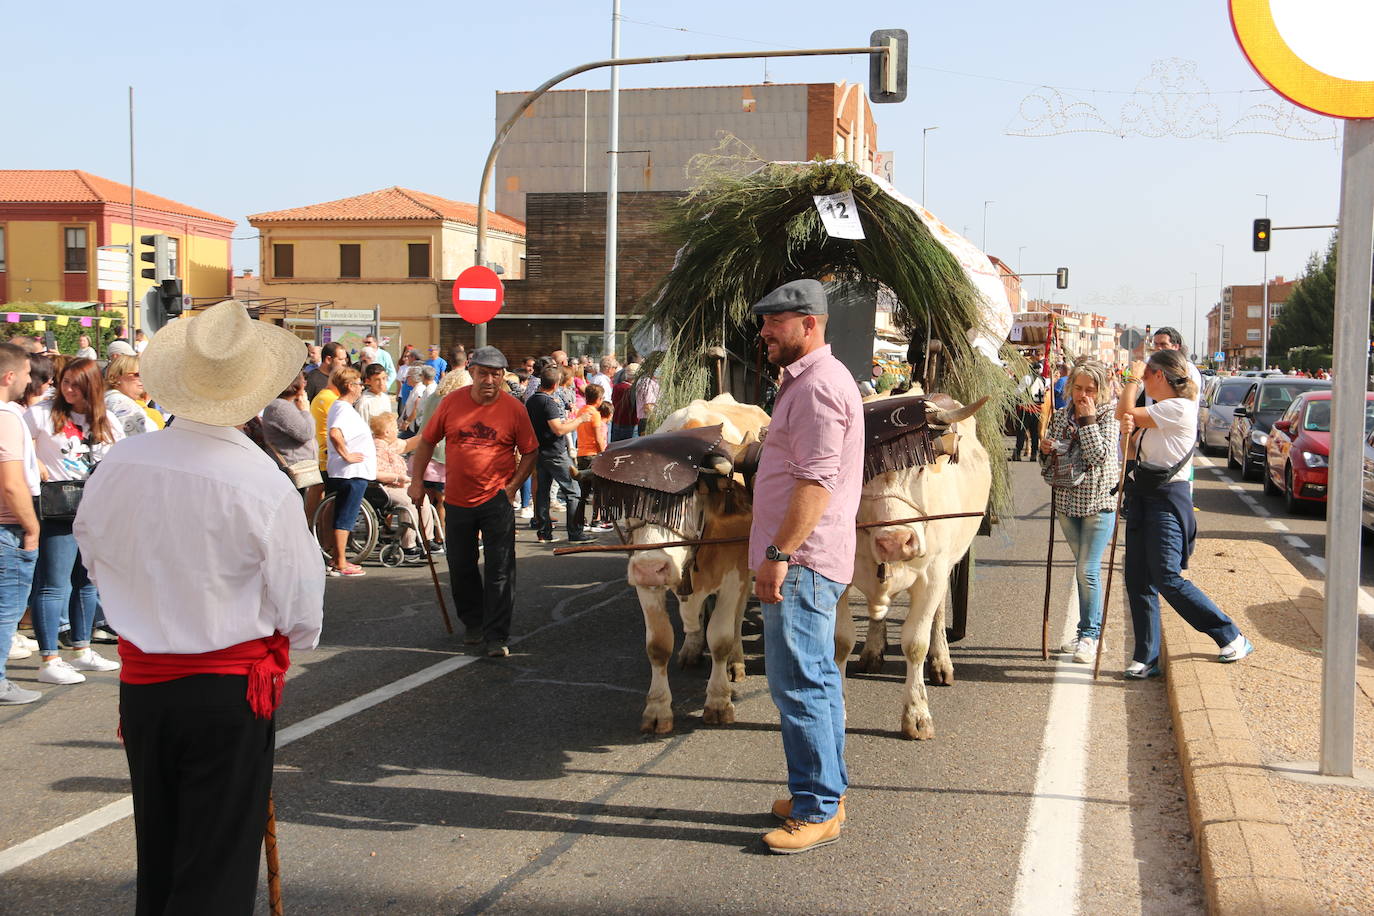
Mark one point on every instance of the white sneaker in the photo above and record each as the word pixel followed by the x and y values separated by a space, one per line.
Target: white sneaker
pixel 59 672
pixel 1236 649
pixel 91 660
pixel 1070 647
pixel 11 694
pixel 18 649
pixel 1087 651
pixel 28 642
pixel 527 512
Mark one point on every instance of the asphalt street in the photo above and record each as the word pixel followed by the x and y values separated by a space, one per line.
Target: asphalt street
pixel 415 778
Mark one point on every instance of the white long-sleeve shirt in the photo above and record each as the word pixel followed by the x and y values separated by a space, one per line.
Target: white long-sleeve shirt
pixel 197 542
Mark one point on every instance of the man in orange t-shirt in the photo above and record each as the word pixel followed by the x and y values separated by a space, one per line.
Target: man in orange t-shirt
pixel 484 427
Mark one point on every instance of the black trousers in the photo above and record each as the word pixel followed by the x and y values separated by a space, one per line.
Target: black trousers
pixel 1028 426
pixel 485 604
pixel 201 767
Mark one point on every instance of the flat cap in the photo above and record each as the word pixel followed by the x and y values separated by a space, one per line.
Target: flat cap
pixel 805 297
pixel 490 357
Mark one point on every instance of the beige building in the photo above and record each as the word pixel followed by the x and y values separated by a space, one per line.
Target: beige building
pixel 559 144
pixel 389 249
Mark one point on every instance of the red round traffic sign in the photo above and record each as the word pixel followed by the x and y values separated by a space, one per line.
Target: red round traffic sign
pixel 478 294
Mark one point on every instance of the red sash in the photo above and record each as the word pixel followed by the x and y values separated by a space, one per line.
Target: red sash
pixel 264 661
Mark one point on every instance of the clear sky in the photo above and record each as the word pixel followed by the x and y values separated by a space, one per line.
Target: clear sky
pixel 244 108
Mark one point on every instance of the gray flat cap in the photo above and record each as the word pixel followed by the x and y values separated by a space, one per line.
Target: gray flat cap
pixel 490 357
pixel 805 297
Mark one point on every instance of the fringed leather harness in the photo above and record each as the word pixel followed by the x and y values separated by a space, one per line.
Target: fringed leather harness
pixel 897 435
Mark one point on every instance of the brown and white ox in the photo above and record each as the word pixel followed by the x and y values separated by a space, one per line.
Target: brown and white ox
pixel 916 558
pixel 722 511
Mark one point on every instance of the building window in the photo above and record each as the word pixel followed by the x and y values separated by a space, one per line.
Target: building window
pixel 75 258
pixel 350 260
pixel 284 261
pixel 1254 311
pixel 2 249
pixel 418 257
pixel 1252 334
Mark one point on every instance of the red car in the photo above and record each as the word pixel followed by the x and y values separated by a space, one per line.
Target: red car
pixel 1296 454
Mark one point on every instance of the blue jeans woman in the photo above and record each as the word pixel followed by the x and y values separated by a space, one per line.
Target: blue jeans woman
pixel 1088 537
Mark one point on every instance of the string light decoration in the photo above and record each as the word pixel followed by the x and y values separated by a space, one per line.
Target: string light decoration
pixel 1170 101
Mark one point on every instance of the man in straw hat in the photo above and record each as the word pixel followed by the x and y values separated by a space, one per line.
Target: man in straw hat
pixel 801 548
pixel 209 575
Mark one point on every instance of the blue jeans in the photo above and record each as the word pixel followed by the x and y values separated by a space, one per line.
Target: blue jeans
pixel 1154 558
pixel 619 432
pixel 799 654
pixel 527 493
pixel 1088 537
pixel 348 499
pixel 16 578
pixel 61 584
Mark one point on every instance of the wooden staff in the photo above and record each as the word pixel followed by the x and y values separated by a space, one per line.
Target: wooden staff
pixel 613 548
pixel 434 575
pixel 1049 568
pixel 269 843
pixel 1111 555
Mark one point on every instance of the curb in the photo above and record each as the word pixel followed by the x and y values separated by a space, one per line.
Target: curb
pixel 1249 857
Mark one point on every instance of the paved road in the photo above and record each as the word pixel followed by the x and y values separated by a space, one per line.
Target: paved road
pixel 466 785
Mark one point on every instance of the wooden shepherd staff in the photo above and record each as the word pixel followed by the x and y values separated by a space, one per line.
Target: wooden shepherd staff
pixel 433 574
pixel 1046 407
pixel 269 844
pixel 1111 555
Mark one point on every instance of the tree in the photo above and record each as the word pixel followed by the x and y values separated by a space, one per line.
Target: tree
pixel 1308 317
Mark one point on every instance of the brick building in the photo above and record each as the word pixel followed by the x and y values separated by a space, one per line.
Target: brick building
pixel 559 303
pixel 1235 326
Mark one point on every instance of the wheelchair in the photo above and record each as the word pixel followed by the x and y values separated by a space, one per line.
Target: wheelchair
pixel 379 524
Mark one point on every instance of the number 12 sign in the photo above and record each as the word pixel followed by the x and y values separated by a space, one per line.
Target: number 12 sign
pixel 839 216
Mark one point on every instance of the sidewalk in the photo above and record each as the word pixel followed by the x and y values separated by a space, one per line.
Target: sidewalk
pixel 1269 843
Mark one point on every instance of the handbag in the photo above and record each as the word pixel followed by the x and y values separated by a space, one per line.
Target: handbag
pixel 58 500
pixel 1064 468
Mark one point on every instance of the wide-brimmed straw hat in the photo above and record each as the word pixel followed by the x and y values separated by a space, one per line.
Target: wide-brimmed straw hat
pixel 220 367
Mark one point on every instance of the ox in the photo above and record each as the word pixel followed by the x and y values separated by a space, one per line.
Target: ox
pixel 716 505
pixel 917 557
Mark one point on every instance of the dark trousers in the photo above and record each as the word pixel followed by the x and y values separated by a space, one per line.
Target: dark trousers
pixel 1154 557
pixel 1028 424
pixel 558 472
pixel 201 767
pixel 485 604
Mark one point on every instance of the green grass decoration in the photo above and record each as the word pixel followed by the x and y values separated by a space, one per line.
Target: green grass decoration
pixel 743 235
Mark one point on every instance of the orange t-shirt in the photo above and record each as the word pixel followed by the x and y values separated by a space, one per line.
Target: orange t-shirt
pixel 587 442
pixel 482 440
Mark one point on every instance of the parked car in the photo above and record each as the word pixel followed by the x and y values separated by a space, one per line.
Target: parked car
pixel 1217 408
pixel 1299 447
pixel 1367 512
pixel 1264 403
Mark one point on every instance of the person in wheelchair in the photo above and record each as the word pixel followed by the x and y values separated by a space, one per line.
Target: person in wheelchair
pixel 393 479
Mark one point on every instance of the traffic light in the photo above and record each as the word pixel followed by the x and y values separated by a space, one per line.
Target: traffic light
pixel 160 257
pixel 1260 239
pixel 887 70
pixel 1061 278
pixel 161 303
pixel 169 294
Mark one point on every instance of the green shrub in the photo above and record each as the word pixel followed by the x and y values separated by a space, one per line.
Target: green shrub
pixel 66 334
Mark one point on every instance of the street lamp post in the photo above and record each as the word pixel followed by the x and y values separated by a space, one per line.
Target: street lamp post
pixel 1205 353
pixel 924 131
pixel 1222 324
pixel 1019 249
pixel 985 224
pixel 1264 333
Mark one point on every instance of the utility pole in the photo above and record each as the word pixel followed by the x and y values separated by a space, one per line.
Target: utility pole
pixel 1264 333
pixel 924 131
pixel 133 231
pixel 1205 354
pixel 612 193
pixel 1221 295
pixel 985 224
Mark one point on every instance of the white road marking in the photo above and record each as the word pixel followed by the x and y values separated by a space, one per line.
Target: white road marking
pixel 1297 543
pixel 117 810
pixel 1052 853
pixel 1276 524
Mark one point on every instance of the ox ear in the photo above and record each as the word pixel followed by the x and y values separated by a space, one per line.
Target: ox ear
pixel 940 416
pixel 948 444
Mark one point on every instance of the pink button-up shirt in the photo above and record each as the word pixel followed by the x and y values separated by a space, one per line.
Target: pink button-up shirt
pixel 817 433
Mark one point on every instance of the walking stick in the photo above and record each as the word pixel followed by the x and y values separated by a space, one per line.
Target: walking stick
pixel 1111 558
pixel 269 843
pixel 1049 567
pixel 434 575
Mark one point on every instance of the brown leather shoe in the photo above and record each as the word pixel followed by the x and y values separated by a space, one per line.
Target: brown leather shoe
pixel 799 836
pixel 782 809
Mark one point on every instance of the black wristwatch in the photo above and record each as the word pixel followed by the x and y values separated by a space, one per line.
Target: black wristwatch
pixel 773 553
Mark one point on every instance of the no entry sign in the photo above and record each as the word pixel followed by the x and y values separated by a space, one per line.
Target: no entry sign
pixel 477 294
pixel 1312 52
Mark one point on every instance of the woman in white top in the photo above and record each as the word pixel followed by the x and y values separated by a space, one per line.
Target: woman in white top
pixel 124 391
pixel 1160 526
pixel 71 434
pixel 351 464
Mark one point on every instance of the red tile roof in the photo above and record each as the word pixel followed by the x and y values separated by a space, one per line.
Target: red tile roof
pixel 392 203
pixel 76 186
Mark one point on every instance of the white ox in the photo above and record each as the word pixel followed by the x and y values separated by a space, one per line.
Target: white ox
pixel 917 558
pixel 721 570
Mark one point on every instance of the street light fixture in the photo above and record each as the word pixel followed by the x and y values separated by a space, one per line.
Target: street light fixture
pixel 924 131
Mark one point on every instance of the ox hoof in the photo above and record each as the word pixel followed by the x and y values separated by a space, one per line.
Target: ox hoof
pixel 917 728
pixel 736 672
pixel 871 661
pixel 689 656
pixel 657 722
pixel 723 714
pixel 941 674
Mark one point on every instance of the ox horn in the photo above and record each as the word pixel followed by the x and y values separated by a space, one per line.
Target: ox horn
pixel 942 417
pixel 718 464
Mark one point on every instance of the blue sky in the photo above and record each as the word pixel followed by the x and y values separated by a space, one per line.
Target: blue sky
pixel 243 108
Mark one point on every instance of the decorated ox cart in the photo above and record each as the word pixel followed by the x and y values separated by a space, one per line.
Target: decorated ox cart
pixel 932 471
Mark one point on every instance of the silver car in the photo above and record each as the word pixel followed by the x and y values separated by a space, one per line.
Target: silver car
pixel 1213 425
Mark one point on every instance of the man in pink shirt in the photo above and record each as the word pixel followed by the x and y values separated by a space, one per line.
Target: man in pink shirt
pixel 801 548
